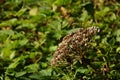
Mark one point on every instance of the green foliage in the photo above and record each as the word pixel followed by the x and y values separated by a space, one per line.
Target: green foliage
pixel 31 30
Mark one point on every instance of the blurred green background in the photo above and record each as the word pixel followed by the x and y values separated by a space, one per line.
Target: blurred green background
pixel 30 31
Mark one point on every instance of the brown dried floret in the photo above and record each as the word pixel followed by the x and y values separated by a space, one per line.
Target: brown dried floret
pixel 73 44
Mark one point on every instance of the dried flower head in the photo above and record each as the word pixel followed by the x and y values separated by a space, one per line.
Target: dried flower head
pixel 73 45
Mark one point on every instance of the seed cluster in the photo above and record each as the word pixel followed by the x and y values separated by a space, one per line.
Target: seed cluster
pixel 73 45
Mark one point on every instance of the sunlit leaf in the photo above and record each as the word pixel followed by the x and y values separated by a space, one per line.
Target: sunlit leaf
pixel 21 12
pixel 63 2
pixel 9 22
pixel 18 74
pixel 32 67
pixel 33 11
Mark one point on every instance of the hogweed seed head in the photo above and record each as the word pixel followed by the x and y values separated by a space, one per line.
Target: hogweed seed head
pixel 73 44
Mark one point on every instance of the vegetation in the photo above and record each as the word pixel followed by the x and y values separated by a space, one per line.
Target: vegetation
pixel 30 32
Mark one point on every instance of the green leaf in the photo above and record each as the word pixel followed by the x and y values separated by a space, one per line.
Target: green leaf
pixel 10 22
pixel 81 70
pixel 97 64
pixel 42 75
pixel 19 74
pixel 84 16
pixel 23 42
pixel 13 65
pixel 21 12
pixel 32 67
pixel 7 32
pixel 113 17
pixel 118 49
pixel 100 14
pixel 62 2
pixel 53 48
pixel 117 34
pixel 12 55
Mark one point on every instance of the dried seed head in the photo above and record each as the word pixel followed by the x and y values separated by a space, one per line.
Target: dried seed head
pixel 73 44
